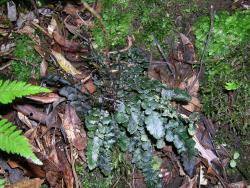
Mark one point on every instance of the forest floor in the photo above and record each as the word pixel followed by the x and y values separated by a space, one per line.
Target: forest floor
pixel 142 94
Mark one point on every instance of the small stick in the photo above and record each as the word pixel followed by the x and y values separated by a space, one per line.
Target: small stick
pixel 105 33
pixel 5 66
pixel 205 48
pixel 130 41
pixel 162 54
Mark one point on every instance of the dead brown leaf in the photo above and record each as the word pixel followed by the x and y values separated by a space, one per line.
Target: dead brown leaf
pixel 68 176
pixel 89 87
pixel 32 112
pixel 45 98
pixel 73 128
pixel 43 68
pixel 205 153
pixel 27 183
pixel 56 164
pixel 189 52
pixel 24 119
pixel 68 45
pixel 65 64
pixel 189 183
pixel 71 10
pixel 165 175
pixel 194 104
pixel 195 89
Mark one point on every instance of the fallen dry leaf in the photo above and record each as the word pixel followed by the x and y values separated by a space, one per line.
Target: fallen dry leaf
pixel 52 26
pixel 194 90
pixel 202 178
pixel 189 183
pixel 65 64
pixel 71 10
pixel 73 128
pixel 43 69
pixel 58 167
pixel 67 45
pixel 32 113
pixel 68 176
pixel 45 98
pixel 24 119
pixel 27 183
pixel 205 153
pixel 89 87
pixel 189 52
pixel 194 105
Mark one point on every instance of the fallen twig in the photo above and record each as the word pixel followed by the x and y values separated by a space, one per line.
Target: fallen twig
pixel 130 41
pixel 105 33
pixel 5 66
pixel 204 49
pixel 163 55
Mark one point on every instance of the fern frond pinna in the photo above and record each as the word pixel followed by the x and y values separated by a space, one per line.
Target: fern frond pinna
pixel 9 90
pixel 11 141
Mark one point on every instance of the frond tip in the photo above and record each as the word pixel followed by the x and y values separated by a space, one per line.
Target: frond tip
pixel 11 141
pixel 9 90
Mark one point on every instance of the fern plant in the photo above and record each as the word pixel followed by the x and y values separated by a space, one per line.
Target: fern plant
pixel 11 139
pixel 143 122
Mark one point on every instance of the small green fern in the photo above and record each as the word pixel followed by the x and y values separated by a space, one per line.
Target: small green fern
pixel 9 90
pixel 11 139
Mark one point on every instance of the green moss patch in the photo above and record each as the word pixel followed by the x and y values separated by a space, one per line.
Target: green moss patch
pixel 225 90
pixel 26 58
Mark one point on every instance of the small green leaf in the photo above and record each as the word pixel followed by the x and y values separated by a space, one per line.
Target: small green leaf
pixel 154 125
pixel 121 118
pixel 176 94
pixel 233 163
pixel 169 136
pixel 230 86
pixel 93 152
pixel 191 131
pixel 134 121
pixel 160 144
pixel 156 163
pixel 236 155
pixel 123 142
pixel 177 142
pixel 132 126
pixel 144 138
pixel 2 182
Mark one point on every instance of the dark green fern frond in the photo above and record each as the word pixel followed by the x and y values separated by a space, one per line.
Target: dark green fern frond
pixel 9 90
pixel 11 141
